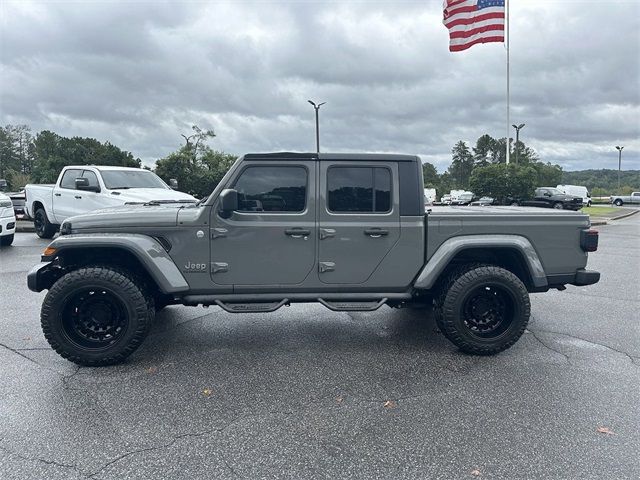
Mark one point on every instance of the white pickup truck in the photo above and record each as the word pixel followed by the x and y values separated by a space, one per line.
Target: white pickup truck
pixel 85 188
pixel 619 200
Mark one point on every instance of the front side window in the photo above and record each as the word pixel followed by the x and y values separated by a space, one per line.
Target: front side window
pixel 69 179
pixel 272 189
pixel 93 179
pixel 359 190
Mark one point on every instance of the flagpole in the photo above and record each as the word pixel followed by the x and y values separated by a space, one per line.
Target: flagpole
pixel 508 93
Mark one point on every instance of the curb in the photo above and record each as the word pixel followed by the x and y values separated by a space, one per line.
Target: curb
pixel 606 221
pixel 597 223
pixel 625 215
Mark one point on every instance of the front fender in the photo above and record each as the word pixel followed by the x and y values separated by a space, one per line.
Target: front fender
pixel 451 247
pixel 153 257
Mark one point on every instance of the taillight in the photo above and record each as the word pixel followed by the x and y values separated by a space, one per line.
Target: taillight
pixel 589 240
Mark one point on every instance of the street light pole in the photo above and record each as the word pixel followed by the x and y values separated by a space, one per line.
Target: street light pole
pixel 619 165
pixel 317 107
pixel 517 127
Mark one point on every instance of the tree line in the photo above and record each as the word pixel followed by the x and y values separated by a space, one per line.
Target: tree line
pixel 28 158
pixel 483 170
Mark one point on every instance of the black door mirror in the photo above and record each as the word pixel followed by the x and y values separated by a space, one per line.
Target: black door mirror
pixel 228 202
pixel 173 183
pixel 83 184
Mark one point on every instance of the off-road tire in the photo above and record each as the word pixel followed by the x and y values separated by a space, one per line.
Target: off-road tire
pixel 6 240
pixel 459 291
pixel 123 288
pixel 44 228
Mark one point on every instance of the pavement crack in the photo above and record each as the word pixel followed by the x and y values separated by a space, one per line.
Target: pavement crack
pixel 621 352
pixel 545 345
pixel 17 352
pixel 44 460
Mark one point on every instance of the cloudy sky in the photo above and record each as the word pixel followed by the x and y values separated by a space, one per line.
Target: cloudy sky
pixel 141 73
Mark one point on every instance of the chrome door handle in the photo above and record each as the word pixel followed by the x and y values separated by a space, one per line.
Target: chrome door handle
pixel 376 232
pixel 297 232
pixel 57 194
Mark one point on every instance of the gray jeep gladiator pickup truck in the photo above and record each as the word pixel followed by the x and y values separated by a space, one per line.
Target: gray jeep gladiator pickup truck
pixel 346 230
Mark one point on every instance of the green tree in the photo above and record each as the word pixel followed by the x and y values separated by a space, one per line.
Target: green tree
pixel 430 175
pixel 503 182
pixel 53 152
pixel 461 164
pixel 197 176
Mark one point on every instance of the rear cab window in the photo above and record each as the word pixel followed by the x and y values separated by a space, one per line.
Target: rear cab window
pixel 68 179
pixel 355 189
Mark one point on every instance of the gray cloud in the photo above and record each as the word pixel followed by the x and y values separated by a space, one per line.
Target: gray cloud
pixel 140 73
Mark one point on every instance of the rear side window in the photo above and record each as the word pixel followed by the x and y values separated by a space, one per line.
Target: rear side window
pixel 359 190
pixel 272 189
pixel 69 179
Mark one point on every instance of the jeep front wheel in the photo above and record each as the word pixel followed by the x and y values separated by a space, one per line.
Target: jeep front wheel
pixel 485 310
pixel 95 316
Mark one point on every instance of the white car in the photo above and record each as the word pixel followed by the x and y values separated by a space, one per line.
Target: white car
pixel 577 191
pixel 7 221
pixel 86 188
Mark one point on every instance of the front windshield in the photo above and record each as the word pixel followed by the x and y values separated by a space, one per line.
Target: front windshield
pixel 123 179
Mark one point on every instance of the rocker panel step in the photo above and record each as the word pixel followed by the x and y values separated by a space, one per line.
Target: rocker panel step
pixel 353 305
pixel 258 307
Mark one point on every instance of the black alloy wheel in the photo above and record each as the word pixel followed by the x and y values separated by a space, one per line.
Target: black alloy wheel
pixel 94 318
pixel 488 310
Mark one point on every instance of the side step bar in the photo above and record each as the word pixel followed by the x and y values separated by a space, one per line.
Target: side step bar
pixel 353 306
pixel 261 307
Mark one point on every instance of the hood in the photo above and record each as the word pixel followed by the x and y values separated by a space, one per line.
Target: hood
pixel 126 216
pixel 144 195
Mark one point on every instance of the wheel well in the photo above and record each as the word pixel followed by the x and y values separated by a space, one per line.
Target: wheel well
pixel 508 258
pixel 36 206
pixel 107 256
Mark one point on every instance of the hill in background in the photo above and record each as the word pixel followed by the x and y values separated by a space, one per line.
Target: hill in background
pixel 604 181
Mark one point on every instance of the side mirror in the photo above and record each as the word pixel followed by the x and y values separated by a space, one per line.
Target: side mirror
pixel 83 184
pixel 173 183
pixel 228 202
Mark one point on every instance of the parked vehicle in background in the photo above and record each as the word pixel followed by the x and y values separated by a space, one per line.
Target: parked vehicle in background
pixel 18 200
pixel 429 196
pixel 577 191
pixel 619 200
pixel 348 231
pixel 464 198
pixel 85 188
pixel 7 220
pixel 551 197
pixel 483 201
pixel 446 199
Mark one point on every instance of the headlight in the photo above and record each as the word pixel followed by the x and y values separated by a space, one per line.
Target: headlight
pixel 5 203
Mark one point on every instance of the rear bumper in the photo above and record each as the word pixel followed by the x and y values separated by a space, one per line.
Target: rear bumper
pixel 580 278
pixel 586 277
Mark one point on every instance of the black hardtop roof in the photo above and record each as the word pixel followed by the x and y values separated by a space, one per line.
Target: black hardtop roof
pixel 352 157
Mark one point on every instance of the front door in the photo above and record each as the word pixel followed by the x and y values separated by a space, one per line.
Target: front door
pixel 359 219
pixel 271 238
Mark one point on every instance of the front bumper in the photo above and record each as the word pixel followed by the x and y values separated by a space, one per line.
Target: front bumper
pixel 40 277
pixel 7 225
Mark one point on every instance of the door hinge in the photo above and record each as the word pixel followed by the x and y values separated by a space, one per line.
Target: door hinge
pixel 326 267
pixel 326 233
pixel 218 232
pixel 217 267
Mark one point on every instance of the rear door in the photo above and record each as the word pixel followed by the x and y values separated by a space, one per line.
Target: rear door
pixel 359 219
pixel 271 239
pixel 89 201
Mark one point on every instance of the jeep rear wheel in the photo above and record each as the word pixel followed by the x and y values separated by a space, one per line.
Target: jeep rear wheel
pixel 95 316
pixel 485 310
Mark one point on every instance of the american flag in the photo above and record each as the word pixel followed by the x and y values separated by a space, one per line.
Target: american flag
pixel 473 21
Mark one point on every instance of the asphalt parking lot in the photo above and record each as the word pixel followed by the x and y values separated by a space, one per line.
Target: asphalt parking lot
pixel 310 393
